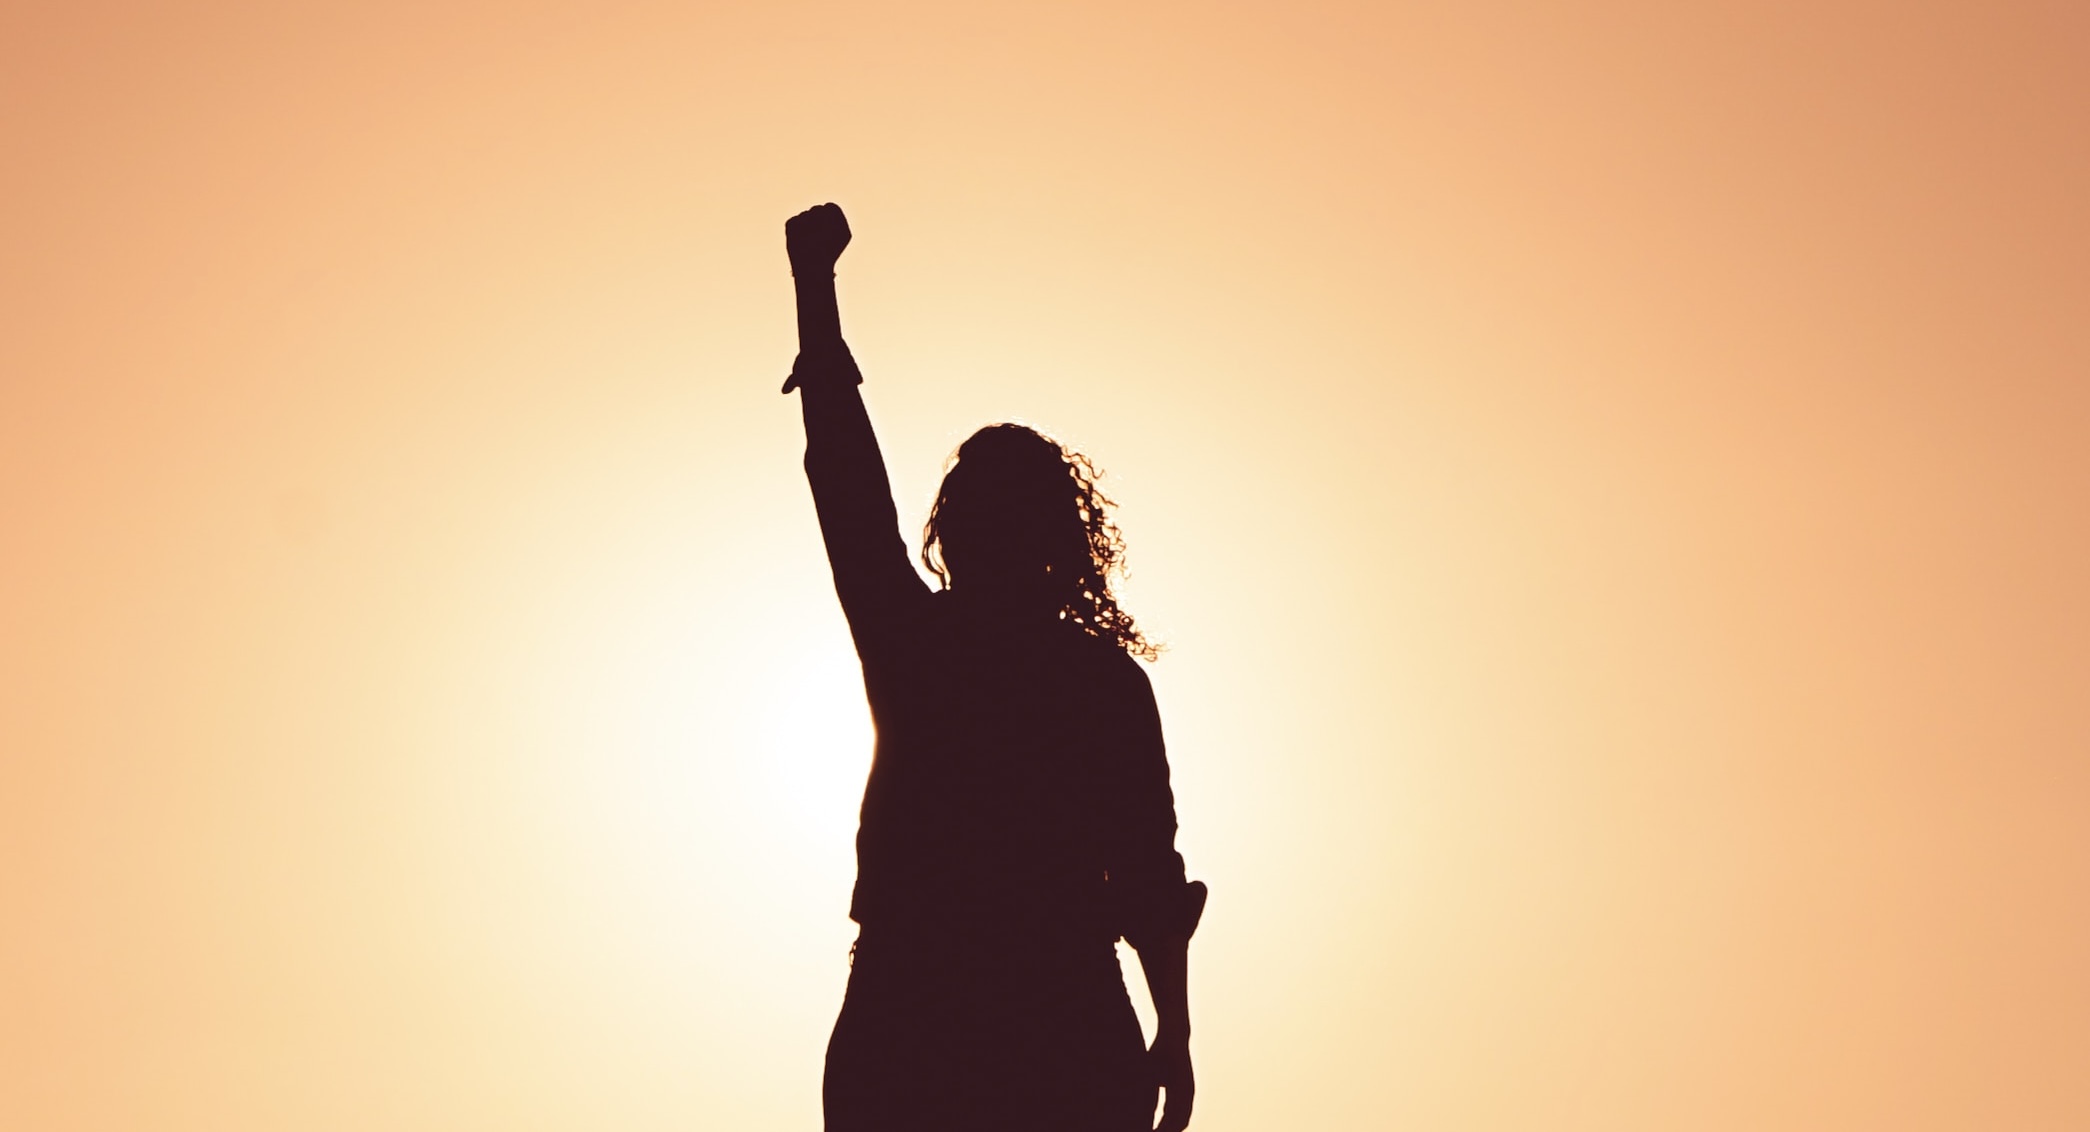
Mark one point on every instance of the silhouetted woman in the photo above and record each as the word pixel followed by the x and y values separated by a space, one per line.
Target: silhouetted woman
pixel 1018 817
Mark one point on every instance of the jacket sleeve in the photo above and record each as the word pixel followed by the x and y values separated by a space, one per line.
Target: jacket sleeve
pixel 854 500
pixel 1149 894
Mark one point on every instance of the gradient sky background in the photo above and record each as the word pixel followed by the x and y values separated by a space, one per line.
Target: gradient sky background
pixel 1614 478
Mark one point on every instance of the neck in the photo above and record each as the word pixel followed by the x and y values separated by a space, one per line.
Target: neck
pixel 1008 604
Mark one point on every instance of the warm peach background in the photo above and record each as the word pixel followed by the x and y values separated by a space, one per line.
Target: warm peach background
pixel 1613 476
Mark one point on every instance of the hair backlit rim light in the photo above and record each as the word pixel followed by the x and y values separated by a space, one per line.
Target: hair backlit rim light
pixel 1035 488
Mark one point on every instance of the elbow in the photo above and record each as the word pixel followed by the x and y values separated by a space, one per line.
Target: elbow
pixel 1171 920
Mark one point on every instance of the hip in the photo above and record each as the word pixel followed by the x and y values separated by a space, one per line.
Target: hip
pixel 946 1034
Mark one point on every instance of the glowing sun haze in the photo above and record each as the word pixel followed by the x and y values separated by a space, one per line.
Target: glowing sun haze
pixel 1612 478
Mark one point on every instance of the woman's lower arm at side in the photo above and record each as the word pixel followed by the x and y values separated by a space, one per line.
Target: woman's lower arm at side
pixel 1164 956
pixel 1166 963
pixel 1167 967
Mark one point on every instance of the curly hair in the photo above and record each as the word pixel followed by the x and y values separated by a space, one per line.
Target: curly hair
pixel 1033 492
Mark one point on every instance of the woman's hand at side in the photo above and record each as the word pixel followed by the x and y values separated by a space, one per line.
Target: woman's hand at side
pixel 1170 1058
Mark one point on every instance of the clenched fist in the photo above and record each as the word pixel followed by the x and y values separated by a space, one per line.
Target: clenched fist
pixel 814 239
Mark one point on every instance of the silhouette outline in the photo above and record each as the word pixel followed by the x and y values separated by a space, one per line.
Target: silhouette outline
pixel 1017 819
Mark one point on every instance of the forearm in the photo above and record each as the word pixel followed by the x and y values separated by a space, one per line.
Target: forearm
pixel 823 357
pixel 850 488
pixel 1166 963
pixel 839 439
pixel 819 317
pixel 1166 959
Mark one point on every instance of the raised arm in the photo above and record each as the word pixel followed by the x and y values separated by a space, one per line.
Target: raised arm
pixel 851 493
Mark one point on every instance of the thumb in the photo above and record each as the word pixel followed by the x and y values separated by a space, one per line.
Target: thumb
pixel 1175 1105
pixel 1175 1112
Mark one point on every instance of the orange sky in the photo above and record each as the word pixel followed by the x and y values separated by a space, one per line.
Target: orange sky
pixel 1612 477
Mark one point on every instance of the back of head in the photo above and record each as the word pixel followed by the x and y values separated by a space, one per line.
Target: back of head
pixel 1019 522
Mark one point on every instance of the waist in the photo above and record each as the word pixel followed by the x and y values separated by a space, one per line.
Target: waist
pixel 926 912
pixel 981 955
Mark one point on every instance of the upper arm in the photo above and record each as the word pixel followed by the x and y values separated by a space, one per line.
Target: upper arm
pixel 1146 871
